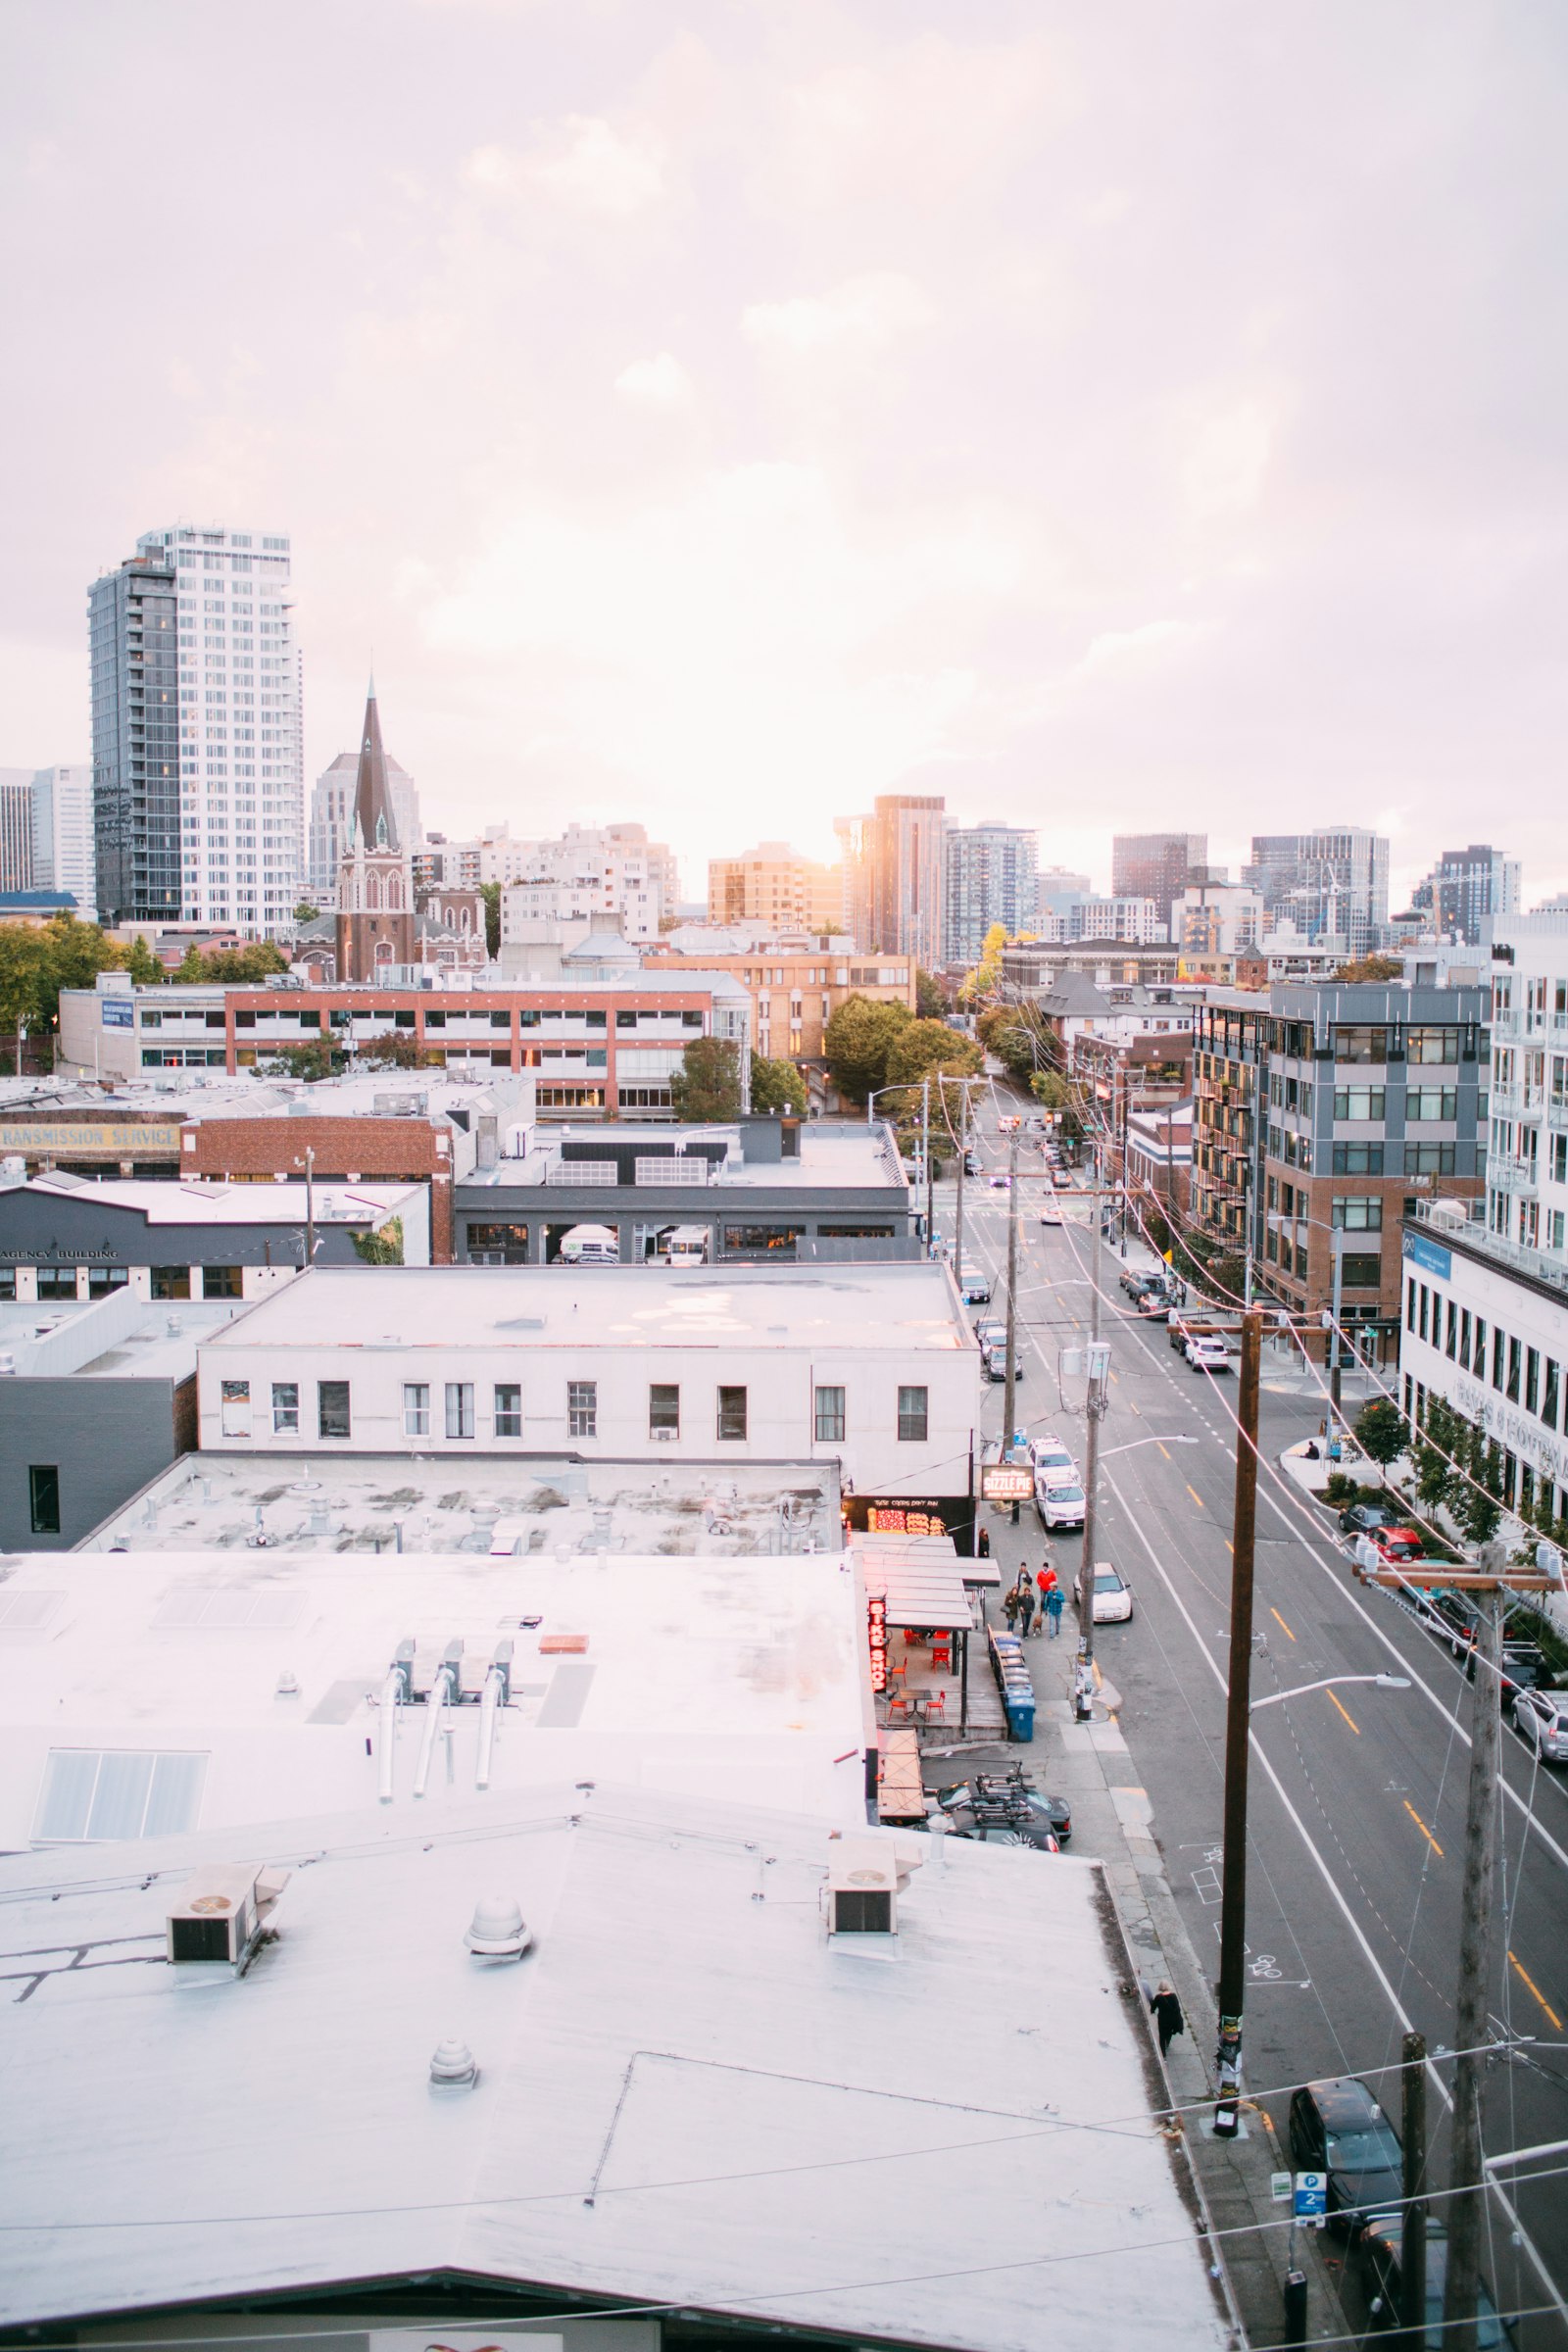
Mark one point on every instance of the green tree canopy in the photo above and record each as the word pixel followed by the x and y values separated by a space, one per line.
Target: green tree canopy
pixel 258 960
pixel 305 912
pixel 395 1050
pixel 1021 1040
pixel 930 1001
pixel 1371 968
pixel 858 1040
pixel 921 1047
pixel 976 986
pixel 707 1084
pixel 1382 1432
pixel 490 892
pixel 776 1086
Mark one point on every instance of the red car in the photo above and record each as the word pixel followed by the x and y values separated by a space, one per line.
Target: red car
pixel 1396 1545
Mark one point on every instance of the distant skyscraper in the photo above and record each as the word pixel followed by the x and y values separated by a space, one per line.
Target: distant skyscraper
pixel 1057 890
pixel 1470 887
pixel 62 853
pixel 895 875
pixel 16 829
pixel 333 806
pixel 774 884
pixel 1156 865
pixel 991 878
pixel 1334 882
pixel 197 775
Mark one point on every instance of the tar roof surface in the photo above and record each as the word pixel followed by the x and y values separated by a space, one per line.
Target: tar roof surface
pixel 685 2095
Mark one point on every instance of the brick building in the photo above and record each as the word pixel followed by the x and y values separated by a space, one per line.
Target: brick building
pixel 360 1148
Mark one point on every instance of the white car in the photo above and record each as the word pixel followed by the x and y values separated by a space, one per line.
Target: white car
pixel 1208 1353
pixel 1540 1718
pixel 1050 1457
pixel 1059 1504
pixel 1114 1597
pixel 1000 1181
pixel 1051 1214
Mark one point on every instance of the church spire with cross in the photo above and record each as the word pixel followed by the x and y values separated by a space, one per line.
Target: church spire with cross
pixel 375 820
pixel 376 926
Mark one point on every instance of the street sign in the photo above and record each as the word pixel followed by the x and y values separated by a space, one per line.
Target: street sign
pixel 1311 2198
pixel 1280 2187
pixel 1007 1482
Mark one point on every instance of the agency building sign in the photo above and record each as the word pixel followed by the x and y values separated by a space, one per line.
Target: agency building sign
pixel 122 1138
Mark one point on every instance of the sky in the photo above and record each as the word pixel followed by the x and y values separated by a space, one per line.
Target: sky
pixel 1113 417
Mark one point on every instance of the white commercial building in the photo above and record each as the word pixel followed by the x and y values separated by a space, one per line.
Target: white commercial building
pixel 871 1367
pixel 241 771
pixel 1137 919
pixel 63 856
pixel 592 870
pixel 1486 1302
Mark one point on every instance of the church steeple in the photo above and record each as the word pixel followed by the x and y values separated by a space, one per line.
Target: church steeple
pixel 375 824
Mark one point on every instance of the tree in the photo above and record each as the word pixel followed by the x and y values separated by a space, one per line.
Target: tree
pixel 858 1040
pixel 316 1058
pixel 72 954
pixel 258 960
pixel 921 1047
pixel 976 986
pixel 1020 1039
pixel 1478 1502
pixel 143 965
pixel 382 1249
pixel 1371 968
pixel 707 1084
pixel 1440 1444
pixel 395 1050
pixel 490 892
pixel 1382 1432
pixel 930 1003
pixel 304 913
pixel 776 1086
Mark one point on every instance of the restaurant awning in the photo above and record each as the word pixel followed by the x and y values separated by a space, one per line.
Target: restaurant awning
pixel 917 1588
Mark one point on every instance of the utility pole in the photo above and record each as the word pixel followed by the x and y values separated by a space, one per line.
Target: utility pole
pixel 1010 1385
pixel 1097 1404
pixel 925 1130
pixel 963 1146
pixel 1413 2242
pixel 1238 1736
pixel 1471 2006
pixel 309 1205
pixel 1338 1241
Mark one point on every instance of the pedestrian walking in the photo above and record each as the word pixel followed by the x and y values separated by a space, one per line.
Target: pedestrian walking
pixel 1010 1607
pixel 982 1550
pixel 1168 2018
pixel 1026 1609
pixel 1045 1579
pixel 1051 1604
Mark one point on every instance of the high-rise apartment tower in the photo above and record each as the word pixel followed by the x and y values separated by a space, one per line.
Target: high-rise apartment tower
pixel 1158 866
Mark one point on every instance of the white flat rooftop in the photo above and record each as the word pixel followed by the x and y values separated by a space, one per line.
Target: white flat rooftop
pixel 200 1203
pixel 830 1158
pixel 490 1505
pixel 685 2095
pixel 693 1676
pixel 911 1308
pixel 114 1337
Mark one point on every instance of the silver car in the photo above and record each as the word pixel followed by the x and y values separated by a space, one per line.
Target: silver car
pixel 1540 1718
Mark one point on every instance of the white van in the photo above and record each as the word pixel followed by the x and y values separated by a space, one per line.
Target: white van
pixel 688 1245
pixel 589 1246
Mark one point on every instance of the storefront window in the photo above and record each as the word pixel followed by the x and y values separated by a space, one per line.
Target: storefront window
pixel 751 1240
pixel 170 1281
pixel 333 1408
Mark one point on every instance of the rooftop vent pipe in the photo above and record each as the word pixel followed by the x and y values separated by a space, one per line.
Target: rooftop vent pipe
pixel 497 1930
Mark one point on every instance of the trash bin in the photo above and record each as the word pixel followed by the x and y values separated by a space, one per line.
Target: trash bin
pixel 1020 1707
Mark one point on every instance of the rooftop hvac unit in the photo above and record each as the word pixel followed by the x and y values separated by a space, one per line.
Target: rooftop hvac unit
pixel 222 1914
pixel 865 1876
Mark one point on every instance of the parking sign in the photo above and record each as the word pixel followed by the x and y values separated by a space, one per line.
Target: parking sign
pixel 1311 2198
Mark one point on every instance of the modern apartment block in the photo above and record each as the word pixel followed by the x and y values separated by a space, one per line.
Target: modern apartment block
pixel 1324 1116
pixel 64 856
pixel 16 829
pixel 591 871
pixel 775 885
pixel 992 877
pixel 1486 1299
pixel 1137 919
pixel 1158 866
pixel 197 774
pixel 1332 882
pixel 333 806
pixel 1472 890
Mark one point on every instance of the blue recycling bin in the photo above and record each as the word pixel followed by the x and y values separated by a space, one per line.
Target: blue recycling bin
pixel 1020 1707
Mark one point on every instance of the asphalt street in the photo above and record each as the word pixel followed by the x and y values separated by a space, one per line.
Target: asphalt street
pixel 1357 1795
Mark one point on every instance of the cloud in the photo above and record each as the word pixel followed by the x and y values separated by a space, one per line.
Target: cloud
pixel 860 317
pixel 660 382
pixel 583 163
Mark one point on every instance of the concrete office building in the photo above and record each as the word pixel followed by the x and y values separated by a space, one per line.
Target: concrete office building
pixel 197 764
pixel 992 877
pixel 895 876
pixel 1332 882
pixel 16 871
pixel 1158 866
pixel 765 1188
pixel 63 855
pixel 871 1367
pixel 796 990
pixel 1137 919
pixel 333 808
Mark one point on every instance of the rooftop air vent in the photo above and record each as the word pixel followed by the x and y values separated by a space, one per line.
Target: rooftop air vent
pixel 451 2065
pixel 497 1930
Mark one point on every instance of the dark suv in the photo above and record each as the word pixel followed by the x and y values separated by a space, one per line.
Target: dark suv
pixel 1364 1519
pixel 1338 2127
pixel 1452 1616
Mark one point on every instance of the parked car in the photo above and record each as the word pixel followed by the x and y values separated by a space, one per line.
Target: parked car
pixel 974 1288
pixel 1382 2251
pixel 1179 1332
pixel 989 1332
pixel 1114 1595
pixel 1155 1306
pixel 1061 1178
pixel 1364 1519
pixel 1338 2127
pixel 1541 1719
pixel 1206 1351
pixel 1048 1454
pixel 1137 1279
pixel 971 1164
pixel 994 1363
pixel 1452 1616
pixel 1006 1798
pixel 1058 1502
pixel 1050 1213
pixel 1000 1180
pixel 1396 1545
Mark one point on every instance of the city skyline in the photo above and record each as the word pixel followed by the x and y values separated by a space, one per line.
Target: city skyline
pixel 844 478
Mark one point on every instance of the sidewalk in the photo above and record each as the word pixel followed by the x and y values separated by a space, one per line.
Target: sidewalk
pixel 1113 1815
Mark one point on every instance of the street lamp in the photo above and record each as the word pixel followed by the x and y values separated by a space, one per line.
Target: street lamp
pixel 1382 1682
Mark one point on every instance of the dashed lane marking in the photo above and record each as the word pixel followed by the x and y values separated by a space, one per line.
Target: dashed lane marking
pixel 1192 1490
pixel 1416 1818
pixel 1163 1450
pixel 1529 1982
pixel 1274 1613
pixel 1356 1727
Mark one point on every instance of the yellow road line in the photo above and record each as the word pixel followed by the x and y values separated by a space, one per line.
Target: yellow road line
pixel 1525 1978
pixel 1166 1454
pixel 1192 1490
pixel 1356 1727
pixel 1230 1548
pixel 1419 1823
pixel 1280 1622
